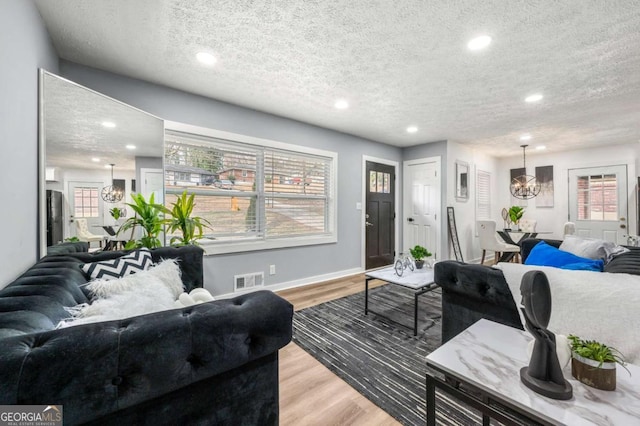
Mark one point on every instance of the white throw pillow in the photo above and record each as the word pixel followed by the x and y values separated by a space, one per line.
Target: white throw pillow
pixel 167 272
pixel 145 292
pixel 591 248
pixel 152 296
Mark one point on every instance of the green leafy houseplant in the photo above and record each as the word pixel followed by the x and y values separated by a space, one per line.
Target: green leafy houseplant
pixel 419 252
pixel 148 216
pixel 190 226
pixel 515 214
pixel 593 363
pixel 115 212
pixel 595 351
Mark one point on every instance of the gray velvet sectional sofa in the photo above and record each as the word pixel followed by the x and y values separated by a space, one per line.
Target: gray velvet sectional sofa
pixel 212 363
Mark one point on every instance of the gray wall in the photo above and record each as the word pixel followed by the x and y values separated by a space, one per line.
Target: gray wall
pixel 435 149
pixel 292 265
pixel 24 47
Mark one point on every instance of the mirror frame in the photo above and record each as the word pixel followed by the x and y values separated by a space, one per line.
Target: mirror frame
pixel 462 180
pixel 42 152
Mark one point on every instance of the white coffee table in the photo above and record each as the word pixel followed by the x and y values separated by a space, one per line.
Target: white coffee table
pixel 418 280
pixel 488 357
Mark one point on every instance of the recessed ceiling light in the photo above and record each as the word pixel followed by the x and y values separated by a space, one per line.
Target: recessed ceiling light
pixel 206 58
pixel 130 147
pixel 107 166
pixel 533 98
pixel 412 129
pixel 525 137
pixel 341 104
pixel 479 42
pixel 109 124
pixel 95 160
pixel 541 147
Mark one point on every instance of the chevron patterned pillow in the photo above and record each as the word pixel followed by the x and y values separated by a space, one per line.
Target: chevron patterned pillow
pixel 139 260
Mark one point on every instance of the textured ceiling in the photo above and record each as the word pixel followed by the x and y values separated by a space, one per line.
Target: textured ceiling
pixel 74 134
pixel 398 63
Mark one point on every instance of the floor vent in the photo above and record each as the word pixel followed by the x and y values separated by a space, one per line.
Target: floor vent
pixel 247 281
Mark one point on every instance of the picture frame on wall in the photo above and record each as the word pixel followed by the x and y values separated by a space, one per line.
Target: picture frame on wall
pixel 544 176
pixel 515 174
pixel 462 180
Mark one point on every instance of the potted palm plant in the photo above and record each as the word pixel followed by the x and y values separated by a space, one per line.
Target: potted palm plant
pixel 190 226
pixel 594 363
pixel 149 217
pixel 419 253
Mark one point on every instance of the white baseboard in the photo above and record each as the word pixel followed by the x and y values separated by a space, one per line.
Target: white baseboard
pixel 297 283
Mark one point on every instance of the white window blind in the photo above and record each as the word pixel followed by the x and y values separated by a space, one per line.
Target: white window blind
pixel 483 196
pixel 249 192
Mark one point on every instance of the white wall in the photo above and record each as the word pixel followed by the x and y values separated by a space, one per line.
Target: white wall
pixel 465 210
pixel 24 46
pixel 553 219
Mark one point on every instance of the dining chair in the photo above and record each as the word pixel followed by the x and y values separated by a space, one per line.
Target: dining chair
pixel 569 228
pixel 527 225
pixel 83 233
pixel 489 240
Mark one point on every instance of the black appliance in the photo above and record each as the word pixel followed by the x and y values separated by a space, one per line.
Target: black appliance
pixel 54 217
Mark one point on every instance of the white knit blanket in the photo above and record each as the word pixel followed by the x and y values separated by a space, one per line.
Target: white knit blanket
pixel 592 305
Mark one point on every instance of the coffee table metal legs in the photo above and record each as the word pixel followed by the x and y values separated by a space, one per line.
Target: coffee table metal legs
pixel 415 303
pixel 431 401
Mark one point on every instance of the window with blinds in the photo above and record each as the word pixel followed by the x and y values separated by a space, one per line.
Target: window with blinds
pixel 483 197
pixel 274 196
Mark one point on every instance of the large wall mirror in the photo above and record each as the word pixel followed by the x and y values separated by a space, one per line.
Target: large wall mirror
pixel 92 149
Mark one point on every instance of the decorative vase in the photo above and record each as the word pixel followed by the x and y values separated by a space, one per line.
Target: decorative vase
pixel 419 264
pixel 591 373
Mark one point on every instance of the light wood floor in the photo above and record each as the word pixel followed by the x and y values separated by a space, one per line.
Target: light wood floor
pixel 310 394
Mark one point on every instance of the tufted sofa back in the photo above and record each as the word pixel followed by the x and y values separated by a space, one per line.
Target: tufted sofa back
pixel 36 301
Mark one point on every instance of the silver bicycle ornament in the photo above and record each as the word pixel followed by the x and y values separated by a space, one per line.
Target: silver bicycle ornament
pixel 404 261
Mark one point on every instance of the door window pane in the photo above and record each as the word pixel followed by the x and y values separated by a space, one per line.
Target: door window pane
pixel 597 197
pixel 85 202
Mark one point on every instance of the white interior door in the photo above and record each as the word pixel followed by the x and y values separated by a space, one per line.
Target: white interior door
pixel 422 204
pixel 152 183
pixel 598 202
pixel 85 202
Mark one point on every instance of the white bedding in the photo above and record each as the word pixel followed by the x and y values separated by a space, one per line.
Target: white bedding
pixel 592 305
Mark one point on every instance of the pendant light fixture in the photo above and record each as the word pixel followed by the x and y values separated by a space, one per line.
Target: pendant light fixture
pixel 524 186
pixel 111 194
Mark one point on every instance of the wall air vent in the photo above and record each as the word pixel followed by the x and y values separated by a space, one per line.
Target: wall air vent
pixel 248 281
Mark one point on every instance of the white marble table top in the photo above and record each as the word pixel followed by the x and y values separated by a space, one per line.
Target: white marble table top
pixel 489 356
pixel 416 279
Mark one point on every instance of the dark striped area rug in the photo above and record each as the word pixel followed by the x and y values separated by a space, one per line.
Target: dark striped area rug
pixel 380 359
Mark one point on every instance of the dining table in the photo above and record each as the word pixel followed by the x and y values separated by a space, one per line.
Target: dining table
pixel 506 235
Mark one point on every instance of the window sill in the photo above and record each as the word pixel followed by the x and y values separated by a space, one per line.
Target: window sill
pixel 212 248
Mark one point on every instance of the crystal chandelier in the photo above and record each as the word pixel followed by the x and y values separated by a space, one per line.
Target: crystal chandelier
pixel 111 194
pixel 524 186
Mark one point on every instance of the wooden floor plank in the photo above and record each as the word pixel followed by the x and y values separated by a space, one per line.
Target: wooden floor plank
pixel 310 394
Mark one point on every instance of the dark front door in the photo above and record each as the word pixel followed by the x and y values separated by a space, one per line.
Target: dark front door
pixel 380 214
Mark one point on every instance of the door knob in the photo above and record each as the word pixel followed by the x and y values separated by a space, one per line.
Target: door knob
pixel 623 226
pixel 409 219
pixel 368 224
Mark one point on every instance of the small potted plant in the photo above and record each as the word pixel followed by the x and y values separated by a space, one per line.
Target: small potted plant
pixel 515 214
pixel 594 363
pixel 419 253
